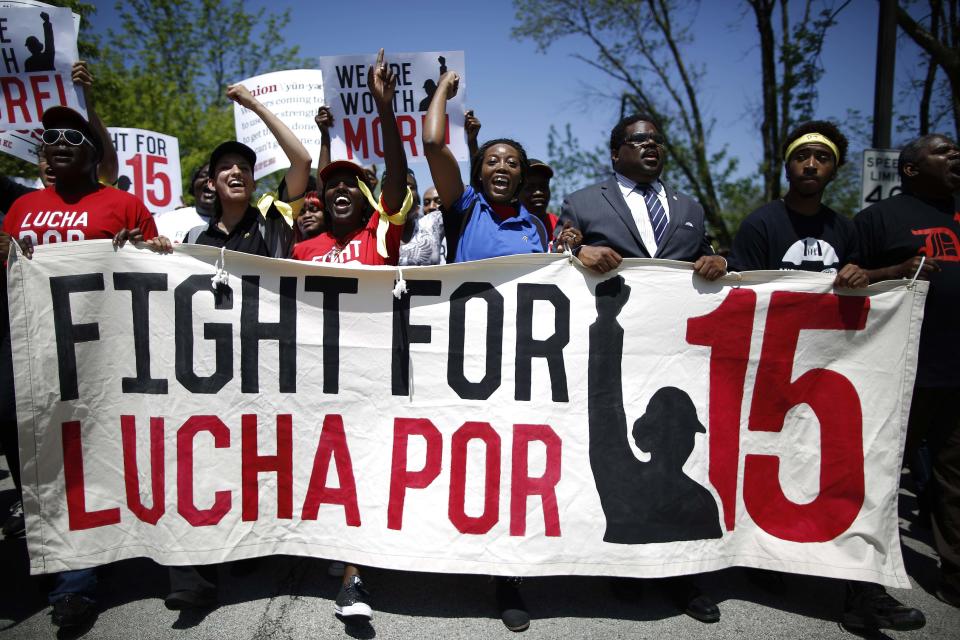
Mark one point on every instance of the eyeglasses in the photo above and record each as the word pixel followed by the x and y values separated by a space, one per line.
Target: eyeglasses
pixel 72 136
pixel 637 140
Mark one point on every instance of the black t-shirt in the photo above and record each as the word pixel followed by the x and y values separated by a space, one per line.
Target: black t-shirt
pixel 774 237
pixel 899 228
pixel 245 237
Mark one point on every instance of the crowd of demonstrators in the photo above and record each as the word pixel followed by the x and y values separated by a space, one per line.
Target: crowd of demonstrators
pixel 502 210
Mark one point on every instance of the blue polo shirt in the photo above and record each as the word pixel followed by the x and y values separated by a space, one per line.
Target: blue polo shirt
pixel 487 236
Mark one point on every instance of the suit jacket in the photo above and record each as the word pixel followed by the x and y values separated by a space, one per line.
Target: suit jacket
pixel 602 215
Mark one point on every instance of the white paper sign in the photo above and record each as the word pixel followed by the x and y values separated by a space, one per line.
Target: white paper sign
pixel 294 97
pixel 356 133
pixel 24 94
pixel 149 167
pixel 513 416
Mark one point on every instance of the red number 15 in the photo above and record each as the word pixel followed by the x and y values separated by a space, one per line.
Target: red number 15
pixel 832 397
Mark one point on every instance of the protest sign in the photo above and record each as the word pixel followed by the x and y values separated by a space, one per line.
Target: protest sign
pixel 149 167
pixel 514 416
pixel 26 91
pixel 356 133
pixel 294 97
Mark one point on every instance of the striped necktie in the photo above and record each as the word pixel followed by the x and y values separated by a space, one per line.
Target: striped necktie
pixel 658 217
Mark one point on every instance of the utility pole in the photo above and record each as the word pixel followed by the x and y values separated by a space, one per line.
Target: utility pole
pixel 883 87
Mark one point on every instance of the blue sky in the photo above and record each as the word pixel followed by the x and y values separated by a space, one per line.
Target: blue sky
pixel 518 92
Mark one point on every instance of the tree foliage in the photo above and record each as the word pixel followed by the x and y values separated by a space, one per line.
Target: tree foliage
pixel 168 67
pixel 640 45
pixel 790 94
pixel 934 25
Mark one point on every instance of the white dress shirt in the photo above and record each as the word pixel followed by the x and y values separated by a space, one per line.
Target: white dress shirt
pixel 633 196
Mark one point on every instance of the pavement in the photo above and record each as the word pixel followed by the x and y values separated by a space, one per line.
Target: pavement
pixel 288 598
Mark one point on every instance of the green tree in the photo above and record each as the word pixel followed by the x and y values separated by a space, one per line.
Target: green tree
pixel 640 45
pixel 168 66
pixel 790 96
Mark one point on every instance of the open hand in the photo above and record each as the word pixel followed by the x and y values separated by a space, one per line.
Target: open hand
pixel 133 235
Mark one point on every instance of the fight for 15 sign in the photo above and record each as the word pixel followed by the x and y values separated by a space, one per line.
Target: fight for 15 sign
pixel 149 167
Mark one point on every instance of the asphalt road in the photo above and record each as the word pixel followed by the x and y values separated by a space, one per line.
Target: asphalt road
pixel 288 598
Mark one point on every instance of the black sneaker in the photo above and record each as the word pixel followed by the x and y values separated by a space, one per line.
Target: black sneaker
pixel 869 606
pixel 352 600
pixel 14 526
pixel 513 611
pixel 73 610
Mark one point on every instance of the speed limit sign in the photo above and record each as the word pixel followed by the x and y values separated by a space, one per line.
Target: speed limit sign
pixel 149 167
pixel 881 178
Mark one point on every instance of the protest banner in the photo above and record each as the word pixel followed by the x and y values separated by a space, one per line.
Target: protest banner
pixel 149 167
pixel 356 133
pixel 294 97
pixel 24 94
pixel 514 416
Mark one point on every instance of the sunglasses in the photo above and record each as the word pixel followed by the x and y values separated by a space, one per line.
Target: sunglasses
pixel 637 140
pixel 71 136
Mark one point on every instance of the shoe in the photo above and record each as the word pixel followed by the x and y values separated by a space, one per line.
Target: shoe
pixel 513 611
pixel 352 600
pixel 689 599
pixel 73 610
pixel 869 606
pixel 15 526
pixel 336 569
pixel 190 599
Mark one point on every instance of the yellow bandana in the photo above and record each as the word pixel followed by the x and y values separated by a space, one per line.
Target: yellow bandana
pixel 288 211
pixel 811 138
pixel 386 219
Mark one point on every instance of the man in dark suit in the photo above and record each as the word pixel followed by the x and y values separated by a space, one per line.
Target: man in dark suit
pixel 635 215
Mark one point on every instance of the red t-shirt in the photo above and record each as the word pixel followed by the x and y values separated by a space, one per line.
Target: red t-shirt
pixel 45 217
pixel 360 246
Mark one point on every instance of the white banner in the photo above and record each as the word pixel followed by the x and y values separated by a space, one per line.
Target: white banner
pixel 516 416
pixel 294 97
pixel 356 132
pixel 149 167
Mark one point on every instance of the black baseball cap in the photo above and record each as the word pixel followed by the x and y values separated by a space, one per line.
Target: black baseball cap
pixel 232 146
pixel 540 165
pixel 61 117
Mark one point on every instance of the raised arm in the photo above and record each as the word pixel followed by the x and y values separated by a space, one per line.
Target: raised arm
pixel 443 165
pixel 324 120
pixel 472 126
pixel 109 169
pixel 297 154
pixel 383 86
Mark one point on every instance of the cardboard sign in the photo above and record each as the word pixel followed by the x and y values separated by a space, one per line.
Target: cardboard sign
pixel 25 91
pixel 356 134
pixel 149 167
pixel 513 416
pixel 294 97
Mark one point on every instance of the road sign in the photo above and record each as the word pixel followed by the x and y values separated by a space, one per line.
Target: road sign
pixel 880 176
